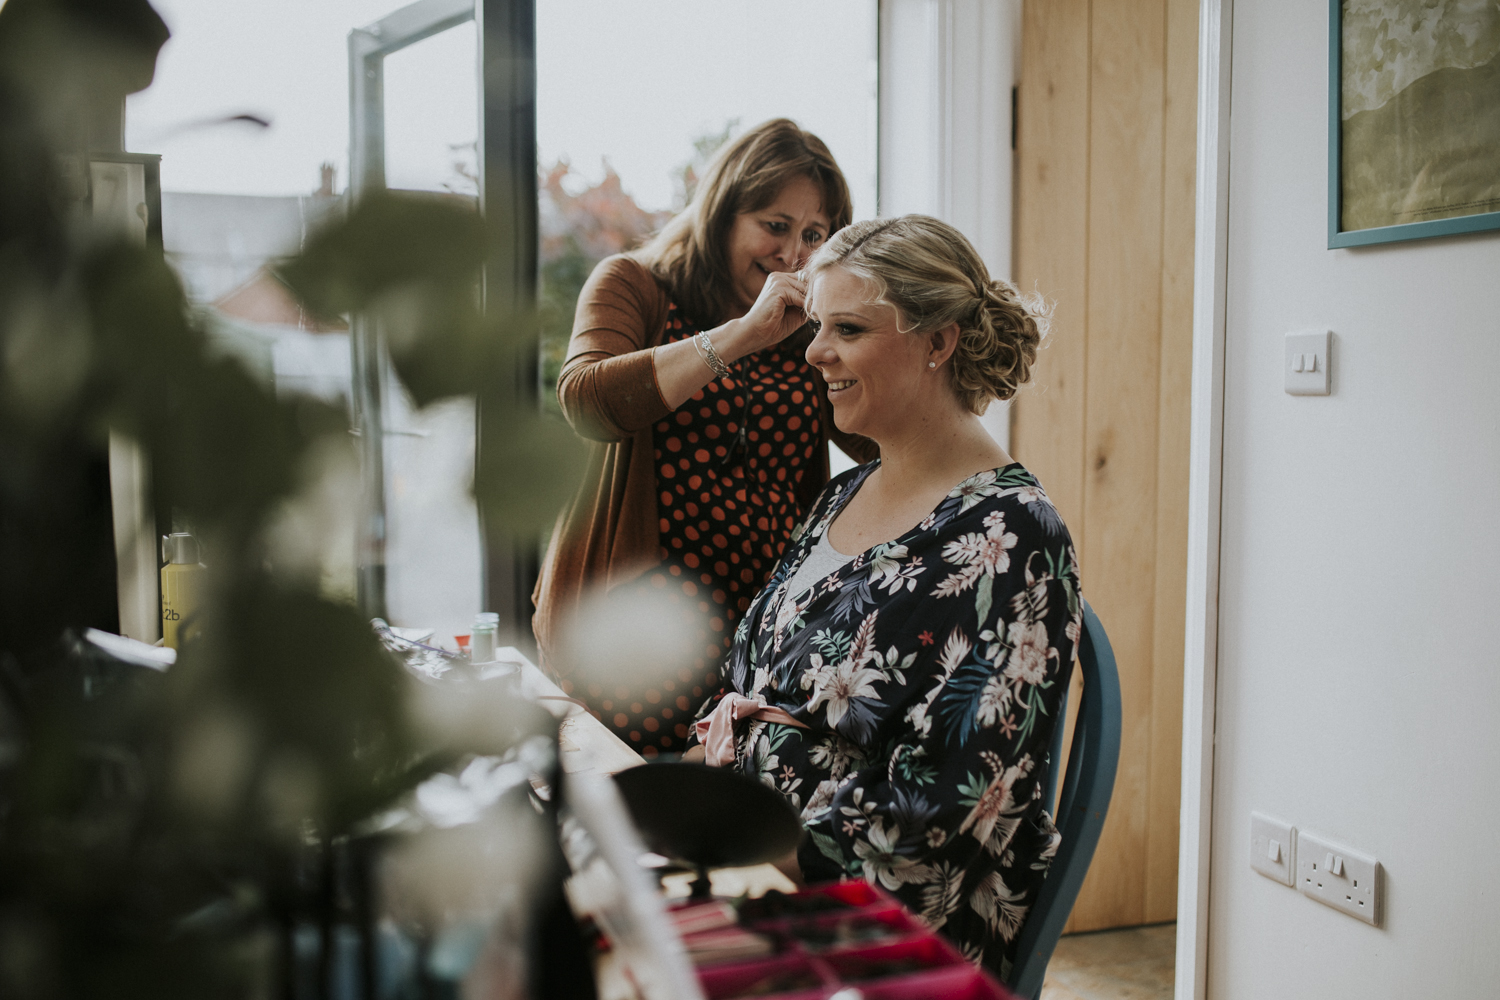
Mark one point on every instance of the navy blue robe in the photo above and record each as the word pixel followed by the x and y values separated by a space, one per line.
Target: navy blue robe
pixel 929 671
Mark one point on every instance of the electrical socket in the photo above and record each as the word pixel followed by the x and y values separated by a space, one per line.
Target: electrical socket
pixel 1340 877
pixel 1273 848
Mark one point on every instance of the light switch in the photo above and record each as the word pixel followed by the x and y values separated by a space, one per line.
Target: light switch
pixel 1272 847
pixel 1307 362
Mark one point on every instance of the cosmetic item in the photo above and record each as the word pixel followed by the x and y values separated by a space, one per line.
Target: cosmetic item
pixel 482 637
pixel 182 581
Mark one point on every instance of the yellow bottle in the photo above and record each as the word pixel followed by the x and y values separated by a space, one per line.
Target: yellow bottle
pixel 181 587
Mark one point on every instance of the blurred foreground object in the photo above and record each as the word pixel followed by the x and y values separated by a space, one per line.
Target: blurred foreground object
pixel 843 941
pixel 709 817
pixel 206 830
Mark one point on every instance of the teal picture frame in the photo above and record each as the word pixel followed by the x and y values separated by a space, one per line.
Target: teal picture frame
pixel 1340 238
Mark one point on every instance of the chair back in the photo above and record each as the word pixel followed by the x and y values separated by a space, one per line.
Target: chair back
pixel 1086 792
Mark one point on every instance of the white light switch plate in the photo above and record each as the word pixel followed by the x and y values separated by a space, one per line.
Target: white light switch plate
pixel 1341 877
pixel 1306 363
pixel 1273 848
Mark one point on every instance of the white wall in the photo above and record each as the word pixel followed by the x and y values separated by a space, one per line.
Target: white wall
pixel 1358 689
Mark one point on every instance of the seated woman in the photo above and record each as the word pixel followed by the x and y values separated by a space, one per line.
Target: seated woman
pixel 902 670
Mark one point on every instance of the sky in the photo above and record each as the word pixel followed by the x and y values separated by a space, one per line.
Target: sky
pixel 630 82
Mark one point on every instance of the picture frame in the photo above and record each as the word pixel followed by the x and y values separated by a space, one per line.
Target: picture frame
pixel 1418 155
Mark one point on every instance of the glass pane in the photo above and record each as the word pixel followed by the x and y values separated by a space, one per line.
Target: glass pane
pixel 432 114
pixel 254 156
pixel 434 569
pixel 285 61
pixel 630 96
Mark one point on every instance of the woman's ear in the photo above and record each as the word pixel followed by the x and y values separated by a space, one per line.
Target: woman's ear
pixel 941 343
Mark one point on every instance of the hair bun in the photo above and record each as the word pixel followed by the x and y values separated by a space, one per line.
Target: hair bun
pixel 996 353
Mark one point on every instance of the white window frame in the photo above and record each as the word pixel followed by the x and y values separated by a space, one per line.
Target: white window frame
pixel 948 69
pixel 1205 491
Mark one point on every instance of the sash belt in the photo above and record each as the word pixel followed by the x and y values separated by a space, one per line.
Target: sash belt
pixel 716 731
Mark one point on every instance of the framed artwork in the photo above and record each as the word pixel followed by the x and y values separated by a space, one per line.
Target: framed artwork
pixel 1413 119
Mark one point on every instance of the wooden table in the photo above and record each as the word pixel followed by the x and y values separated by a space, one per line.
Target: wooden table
pixel 586 744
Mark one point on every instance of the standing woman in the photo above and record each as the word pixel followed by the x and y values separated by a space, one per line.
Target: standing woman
pixel 686 369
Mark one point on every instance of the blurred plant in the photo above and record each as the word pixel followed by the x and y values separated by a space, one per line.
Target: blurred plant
pixel 157 831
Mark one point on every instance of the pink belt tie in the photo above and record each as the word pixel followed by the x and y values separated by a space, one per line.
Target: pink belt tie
pixel 716 731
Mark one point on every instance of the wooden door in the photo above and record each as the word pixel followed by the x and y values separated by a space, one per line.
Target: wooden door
pixel 1104 227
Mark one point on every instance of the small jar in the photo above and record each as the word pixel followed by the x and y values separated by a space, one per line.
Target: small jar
pixel 482 637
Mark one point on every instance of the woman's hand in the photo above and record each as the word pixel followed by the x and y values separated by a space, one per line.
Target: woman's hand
pixel 777 314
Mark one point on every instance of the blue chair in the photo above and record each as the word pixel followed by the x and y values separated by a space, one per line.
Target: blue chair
pixel 1085 801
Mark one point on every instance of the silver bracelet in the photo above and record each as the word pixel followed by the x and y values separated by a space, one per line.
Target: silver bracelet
pixel 705 348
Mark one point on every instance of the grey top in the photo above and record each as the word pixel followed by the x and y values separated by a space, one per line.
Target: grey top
pixel 822 560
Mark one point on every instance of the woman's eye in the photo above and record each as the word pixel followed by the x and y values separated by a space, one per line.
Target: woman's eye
pixel 777 227
pixel 848 330
pixel 812 237
pixel 816 326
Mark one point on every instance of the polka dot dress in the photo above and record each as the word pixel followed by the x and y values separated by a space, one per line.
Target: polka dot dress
pixel 727 464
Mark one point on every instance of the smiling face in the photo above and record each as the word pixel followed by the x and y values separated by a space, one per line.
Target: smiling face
pixel 878 377
pixel 778 237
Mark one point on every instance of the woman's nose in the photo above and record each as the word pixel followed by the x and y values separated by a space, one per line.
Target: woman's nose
pixel 791 252
pixel 820 351
pixel 804 254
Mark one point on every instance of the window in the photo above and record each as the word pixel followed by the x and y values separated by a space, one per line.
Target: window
pixel 250 111
pixel 633 99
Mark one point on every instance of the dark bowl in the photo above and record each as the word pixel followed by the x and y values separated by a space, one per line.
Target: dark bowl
pixel 710 817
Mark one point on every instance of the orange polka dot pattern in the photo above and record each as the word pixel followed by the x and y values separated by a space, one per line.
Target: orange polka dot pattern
pixel 727 505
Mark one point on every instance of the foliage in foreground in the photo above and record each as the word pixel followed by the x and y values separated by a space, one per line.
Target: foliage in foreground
pixel 156 829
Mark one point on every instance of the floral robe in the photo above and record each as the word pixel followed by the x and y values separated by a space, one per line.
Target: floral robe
pixel 929 670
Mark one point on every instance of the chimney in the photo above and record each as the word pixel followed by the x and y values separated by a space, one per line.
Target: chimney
pixel 325 189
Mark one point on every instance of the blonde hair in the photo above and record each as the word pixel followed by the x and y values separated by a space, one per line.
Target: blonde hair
pixel 934 276
pixel 690 255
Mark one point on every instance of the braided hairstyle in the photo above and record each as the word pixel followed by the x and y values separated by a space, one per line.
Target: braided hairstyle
pixel 933 276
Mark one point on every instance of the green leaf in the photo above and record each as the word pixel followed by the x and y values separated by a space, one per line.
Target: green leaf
pixel 776 734
pixel 826 845
pixel 529 466
pixel 972 790
pixel 389 241
pixel 984 596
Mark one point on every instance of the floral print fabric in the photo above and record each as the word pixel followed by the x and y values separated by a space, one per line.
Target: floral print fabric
pixel 929 670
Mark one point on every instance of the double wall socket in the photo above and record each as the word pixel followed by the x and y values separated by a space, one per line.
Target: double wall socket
pixel 1335 875
pixel 1341 877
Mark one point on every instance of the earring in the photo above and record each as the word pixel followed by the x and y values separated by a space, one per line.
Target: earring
pixel 932 364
